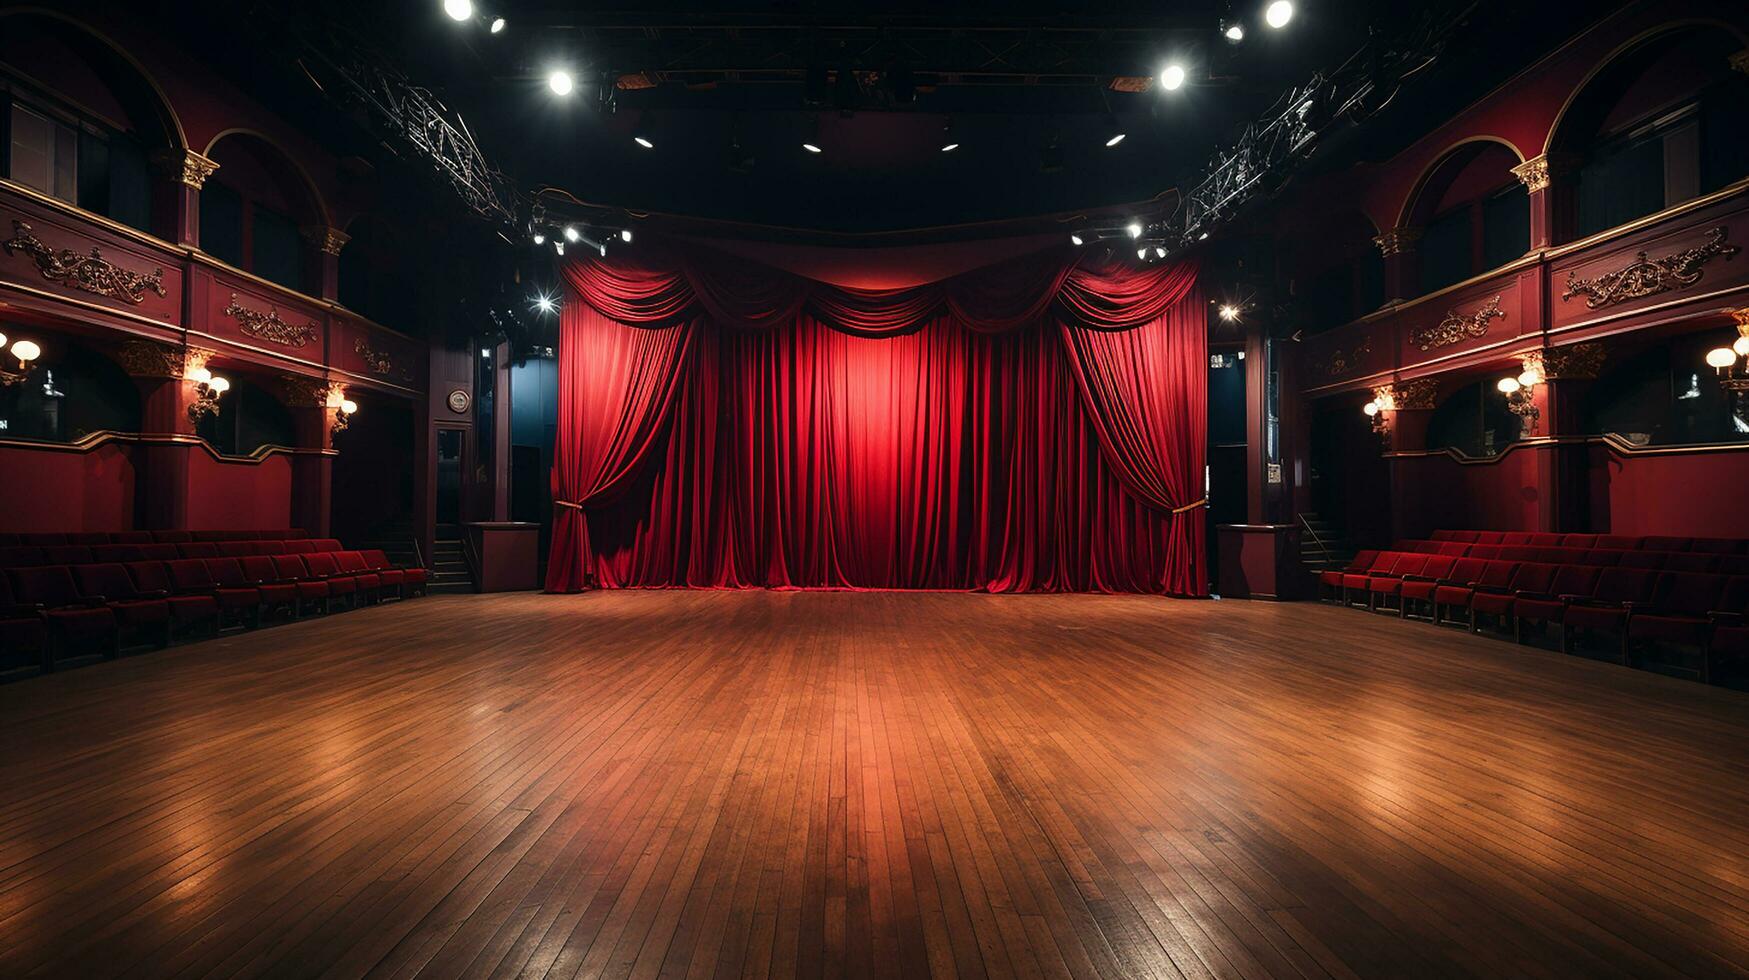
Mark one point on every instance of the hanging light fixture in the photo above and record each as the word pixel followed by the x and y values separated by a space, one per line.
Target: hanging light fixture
pixel 24 351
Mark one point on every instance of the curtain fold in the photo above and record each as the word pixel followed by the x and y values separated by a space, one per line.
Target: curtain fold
pixel 1032 425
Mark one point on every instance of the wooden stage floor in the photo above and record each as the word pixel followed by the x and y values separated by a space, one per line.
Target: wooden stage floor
pixel 821 784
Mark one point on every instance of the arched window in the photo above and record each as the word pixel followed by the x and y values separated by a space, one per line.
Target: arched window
pixel 78 121
pixel 70 392
pixel 1667 395
pixel 1664 122
pixel 253 207
pixel 248 418
pixel 1473 212
pixel 1473 420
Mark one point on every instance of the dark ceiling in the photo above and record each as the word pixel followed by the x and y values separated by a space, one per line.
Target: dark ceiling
pixel 1031 92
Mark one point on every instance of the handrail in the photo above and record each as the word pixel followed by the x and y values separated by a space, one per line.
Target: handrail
pixel 1309 530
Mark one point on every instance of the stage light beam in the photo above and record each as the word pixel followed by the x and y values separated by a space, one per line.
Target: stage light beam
pixel 1172 77
pixel 560 82
pixel 1277 14
pixel 459 10
pixel 497 25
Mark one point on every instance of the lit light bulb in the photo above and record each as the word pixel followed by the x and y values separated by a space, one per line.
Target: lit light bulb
pixel 1172 78
pixel 1370 408
pixel 810 147
pixel 1115 139
pixel 1074 239
pixel 1277 14
pixel 572 234
pixel 348 406
pixel 560 82
pixel 26 351
pixel 1508 386
pixel 1134 228
pixel 458 10
pixel 1721 357
pixel 497 25
pixel 625 235
pixel 1235 32
pixel 219 385
pixel 1741 347
pixel 1529 378
pixel 2 340
pixel 540 239
pixel 200 375
pixel 1229 311
pixel 644 141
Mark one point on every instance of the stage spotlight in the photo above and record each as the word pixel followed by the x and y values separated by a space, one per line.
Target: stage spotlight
pixel 539 238
pixel 459 9
pixel 1134 229
pixel 810 147
pixel 1115 139
pixel 811 135
pixel 1202 237
pixel 1172 78
pixel 1141 253
pixel 1075 238
pixel 544 303
pixel 644 133
pixel 1229 312
pixel 559 248
pixel 949 142
pixel 625 235
pixel 572 234
pixel 1233 31
pixel 1277 14
pixel 560 82
pixel 1159 251
pixel 497 25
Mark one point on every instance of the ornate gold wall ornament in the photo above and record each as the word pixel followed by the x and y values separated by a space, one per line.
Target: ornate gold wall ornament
pixel 1533 173
pixel 1457 327
pixel 378 361
pixel 1398 240
pixel 300 391
pixel 1740 61
pixel 329 240
pixel 1576 362
pixel 1416 395
pixel 270 326
pixel 1643 277
pixel 146 359
pixel 1742 319
pixel 189 167
pixel 1340 361
pixel 89 273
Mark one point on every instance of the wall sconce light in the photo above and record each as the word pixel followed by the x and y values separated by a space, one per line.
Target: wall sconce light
pixel 1520 395
pixel 25 351
pixel 343 414
pixel 207 389
pixel 1733 377
pixel 1383 400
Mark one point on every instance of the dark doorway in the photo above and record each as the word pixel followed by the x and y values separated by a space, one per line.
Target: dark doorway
pixel 450 447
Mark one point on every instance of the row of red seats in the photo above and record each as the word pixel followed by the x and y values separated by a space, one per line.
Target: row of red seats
pixel 1703 610
pixel 1717 546
pixel 26 556
pixel 8 538
pixel 1673 561
pixel 55 611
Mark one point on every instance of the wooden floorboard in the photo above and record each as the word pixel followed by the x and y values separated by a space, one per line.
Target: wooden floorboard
pixel 717 785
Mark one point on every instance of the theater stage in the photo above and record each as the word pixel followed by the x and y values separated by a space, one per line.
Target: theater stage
pixel 723 784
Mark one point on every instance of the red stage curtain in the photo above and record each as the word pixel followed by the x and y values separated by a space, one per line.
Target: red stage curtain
pixel 1028 426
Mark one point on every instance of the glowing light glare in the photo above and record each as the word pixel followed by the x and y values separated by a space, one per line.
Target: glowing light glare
pixel 949 147
pixel 1141 253
pixel 219 385
pixel 1508 386
pixel 545 304
pixel 348 406
pixel 643 141
pixel 1073 239
pixel 1741 347
pixel 1721 357
pixel 1172 78
pixel 1235 32
pixel 625 235
pixel 197 375
pixel 2 340
pixel 810 147
pixel 1277 14
pixel 540 239
pixel 1115 139
pixel 572 234
pixel 497 25
pixel 560 82
pixel 1528 379
pixel 1370 408
pixel 1229 311
pixel 1134 228
pixel 458 10
pixel 559 248
pixel 26 350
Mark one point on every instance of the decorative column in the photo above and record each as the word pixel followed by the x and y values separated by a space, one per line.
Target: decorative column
pixel 186 172
pixel 1406 408
pixel 1553 207
pixel 315 409
pixel 1566 375
pixel 167 429
pixel 1402 263
pixel 325 244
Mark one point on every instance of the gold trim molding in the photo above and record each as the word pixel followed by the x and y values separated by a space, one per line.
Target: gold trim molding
pixel 96 440
pixel 1419 394
pixel 270 326
pixel 1340 361
pixel 1458 327
pixel 329 240
pixel 1533 173
pixel 1575 362
pixel 1643 277
pixel 378 361
pixel 189 167
pixel 1398 240
pixel 87 273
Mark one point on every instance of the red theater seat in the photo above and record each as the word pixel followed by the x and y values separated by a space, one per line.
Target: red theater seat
pixel 370 583
pixel 1550 605
pixel 1490 537
pixel 42 538
pixel 190 576
pixel 1383 585
pixel 237 549
pixel 1619 542
pixel 1679 609
pixel 1602 557
pixel 137 612
pixel 1494 577
pixel 1665 544
pixel 412 579
pixel 1544 539
pixel 1531 578
pixel 322 566
pixel 131 537
pixel 1486 552
pixel 1454 549
pixel 310 588
pixel 66 554
pixel 1653 560
pixel 21 556
pixel 1578 540
pixel 1515 537
pixel 185 610
pixel 75 623
pixel 326 544
pixel 23 635
pixel 296 547
pixel 198 549
pixel 1354 583
pixel 1329 578
pixel 1717 546
pixel 1421 588
pixel 1606 607
pixel 1690 561
pixel 1729 640
pixel 276 591
pixel 236 590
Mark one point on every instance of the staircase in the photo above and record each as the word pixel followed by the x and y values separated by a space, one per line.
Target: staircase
pixel 449 568
pixel 1323 544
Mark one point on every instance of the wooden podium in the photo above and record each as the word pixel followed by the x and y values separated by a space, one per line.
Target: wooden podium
pixel 506 555
pixel 1259 561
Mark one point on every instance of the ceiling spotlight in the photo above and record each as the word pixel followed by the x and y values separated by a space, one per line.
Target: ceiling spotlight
pixel 540 238
pixel 1277 14
pixel 810 147
pixel 1159 251
pixel 949 142
pixel 458 9
pixel 1229 312
pixel 811 135
pixel 1141 253
pixel 1202 237
pixel 1075 238
pixel 1172 78
pixel 544 303
pixel 1508 386
pixel 1134 229
pixel 1115 139
pixel 560 82
pixel 1234 32
pixel 1721 357
pixel 644 133
pixel 625 234
pixel 559 248
pixel 572 234
pixel 497 25
pixel 643 141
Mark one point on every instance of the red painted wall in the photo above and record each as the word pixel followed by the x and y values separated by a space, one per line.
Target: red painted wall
pixel 57 490
pixel 1699 494
pixel 223 496
pixel 1439 492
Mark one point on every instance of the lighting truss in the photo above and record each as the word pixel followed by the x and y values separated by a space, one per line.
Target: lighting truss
pixel 1270 149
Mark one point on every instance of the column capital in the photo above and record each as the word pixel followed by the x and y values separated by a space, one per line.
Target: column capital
pixel 1740 61
pixel 187 166
pixel 1575 362
pixel 150 359
pixel 1420 394
pixel 1398 240
pixel 1537 172
pixel 328 240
